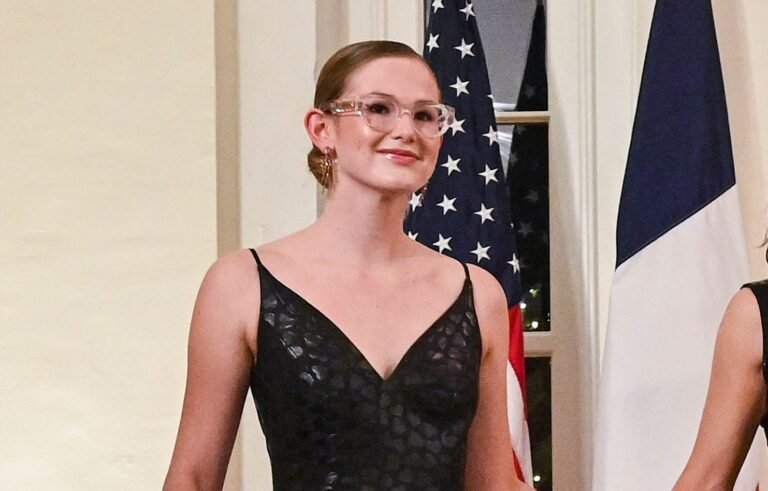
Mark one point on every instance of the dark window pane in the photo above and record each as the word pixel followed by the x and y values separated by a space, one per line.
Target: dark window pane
pixel 528 179
pixel 539 398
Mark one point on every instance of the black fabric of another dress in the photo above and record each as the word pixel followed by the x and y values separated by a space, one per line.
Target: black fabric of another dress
pixel 760 290
pixel 333 423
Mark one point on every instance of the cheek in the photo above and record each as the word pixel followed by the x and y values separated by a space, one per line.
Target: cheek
pixel 432 148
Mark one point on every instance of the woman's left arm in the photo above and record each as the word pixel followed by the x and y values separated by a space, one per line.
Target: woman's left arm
pixel 735 401
pixel 490 456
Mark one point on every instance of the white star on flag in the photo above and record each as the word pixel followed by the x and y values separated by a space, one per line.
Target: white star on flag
pixel 415 201
pixel 452 165
pixel 442 243
pixel 515 263
pixel 481 252
pixel 447 204
pixel 466 49
pixel 489 174
pixel 493 136
pixel 525 229
pixel 432 43
pixel 437 4
pixel 456 126
pixel 461 87
pixel 468 10
pixel 484 213
pixel 413 236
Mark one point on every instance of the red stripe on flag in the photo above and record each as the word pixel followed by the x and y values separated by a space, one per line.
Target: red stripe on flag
pixel 516 347
pixel 518 469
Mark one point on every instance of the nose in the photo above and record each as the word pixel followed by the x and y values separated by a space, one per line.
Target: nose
pixel 404 128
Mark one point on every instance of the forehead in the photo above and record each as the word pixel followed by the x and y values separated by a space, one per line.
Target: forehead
pixel 407 79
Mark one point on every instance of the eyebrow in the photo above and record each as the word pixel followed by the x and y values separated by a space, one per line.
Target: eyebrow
pixel 427 101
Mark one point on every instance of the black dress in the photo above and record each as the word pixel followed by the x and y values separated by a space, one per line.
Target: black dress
pixel 760 290
pixel 333 423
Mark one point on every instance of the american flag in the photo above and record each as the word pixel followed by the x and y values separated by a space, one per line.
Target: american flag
pixel 465 212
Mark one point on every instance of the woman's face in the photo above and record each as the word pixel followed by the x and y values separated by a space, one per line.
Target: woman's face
pixel 400 160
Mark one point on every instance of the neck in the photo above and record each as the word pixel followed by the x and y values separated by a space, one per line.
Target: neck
pixel 363 226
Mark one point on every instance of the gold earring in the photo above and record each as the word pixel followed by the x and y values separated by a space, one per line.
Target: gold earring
pixel 327 175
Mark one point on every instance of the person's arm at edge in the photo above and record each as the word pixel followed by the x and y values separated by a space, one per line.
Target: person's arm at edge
pixel 221 340
pixel 735 400
pixel 489 454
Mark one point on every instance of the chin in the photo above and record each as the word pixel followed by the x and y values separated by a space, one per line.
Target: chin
pixel 402 183
pixel 399 186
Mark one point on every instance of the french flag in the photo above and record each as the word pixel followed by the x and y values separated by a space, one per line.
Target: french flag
pixel 681 255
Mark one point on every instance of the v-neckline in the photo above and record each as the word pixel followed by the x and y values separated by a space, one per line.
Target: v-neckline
pixel 336 328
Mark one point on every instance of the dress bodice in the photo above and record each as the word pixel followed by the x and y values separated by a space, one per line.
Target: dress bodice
pixel 333 423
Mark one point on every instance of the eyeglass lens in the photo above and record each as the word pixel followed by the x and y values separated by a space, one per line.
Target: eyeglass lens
pixel 381 113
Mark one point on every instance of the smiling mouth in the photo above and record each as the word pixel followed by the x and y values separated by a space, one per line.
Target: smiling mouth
pixel 401 156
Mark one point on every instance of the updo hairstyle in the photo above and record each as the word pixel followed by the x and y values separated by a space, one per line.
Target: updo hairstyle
pixel 333 81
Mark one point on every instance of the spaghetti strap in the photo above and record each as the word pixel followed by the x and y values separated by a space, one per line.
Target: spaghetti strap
pixel 466 270
pixel 256 257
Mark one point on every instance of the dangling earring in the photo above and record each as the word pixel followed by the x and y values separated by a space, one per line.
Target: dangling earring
pixel 327 175
pixel 423 192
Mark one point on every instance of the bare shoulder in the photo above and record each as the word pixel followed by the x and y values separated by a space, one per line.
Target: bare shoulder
pixel 743 306
pixel 482 279
pixel 229 296
pixel 440 267
pixel 488 291
pixel 231 275
pixel 491 308
pixel 741 328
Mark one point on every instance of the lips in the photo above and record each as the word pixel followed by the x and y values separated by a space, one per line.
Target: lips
pixel 398 155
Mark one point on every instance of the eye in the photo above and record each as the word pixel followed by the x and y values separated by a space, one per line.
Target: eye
pixel 378 108
pixel 427 115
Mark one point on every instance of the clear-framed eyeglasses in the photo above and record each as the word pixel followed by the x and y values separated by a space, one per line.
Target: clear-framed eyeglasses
pixel 381 113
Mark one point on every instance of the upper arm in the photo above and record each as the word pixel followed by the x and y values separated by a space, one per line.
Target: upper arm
pixel 219 362
pixel 735 400
pixel 490 463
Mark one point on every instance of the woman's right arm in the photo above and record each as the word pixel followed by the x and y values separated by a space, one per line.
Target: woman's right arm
pixel 735 400
pixel 221 340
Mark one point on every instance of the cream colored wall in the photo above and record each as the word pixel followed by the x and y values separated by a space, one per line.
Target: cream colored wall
pixel 742 38
pixel 108 222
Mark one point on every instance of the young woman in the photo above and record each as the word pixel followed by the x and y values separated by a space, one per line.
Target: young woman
pixel 375 362
pixel 736 401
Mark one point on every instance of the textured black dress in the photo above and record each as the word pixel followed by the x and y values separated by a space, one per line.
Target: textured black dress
pixel 760 290
pixel 333 423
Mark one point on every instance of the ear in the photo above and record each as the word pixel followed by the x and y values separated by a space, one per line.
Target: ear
pixel 319 128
